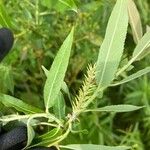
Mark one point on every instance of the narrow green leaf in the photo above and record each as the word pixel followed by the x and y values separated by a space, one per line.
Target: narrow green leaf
pixel 57 72
pixel 94 147
pixel 135 21
pixel 45 71
pixel 112 47
pixel 144 54
pixel 116 108
pixel 47 138
pixel 139 51
pixel 64 87
pixel 48 135
pixel 18 104
pixel 147 50
pixel 59 106
pixel 30 133
pixel 142 46
pixel 133 76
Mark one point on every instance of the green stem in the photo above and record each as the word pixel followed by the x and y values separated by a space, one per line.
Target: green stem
pixel 62 137
pixel 39 115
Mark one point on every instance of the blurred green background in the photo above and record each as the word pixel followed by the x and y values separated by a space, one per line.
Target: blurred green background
pixel 40 27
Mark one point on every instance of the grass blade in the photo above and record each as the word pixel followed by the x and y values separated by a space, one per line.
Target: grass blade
pixel 57 72
pixel 112 47
pixel 135 21
pixel 4 18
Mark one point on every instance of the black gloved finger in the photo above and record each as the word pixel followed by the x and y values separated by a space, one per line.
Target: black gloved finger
pixel 6 42
pixel 44 148
pixel 14 140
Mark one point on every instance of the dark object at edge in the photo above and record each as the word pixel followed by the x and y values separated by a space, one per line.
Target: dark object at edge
pixel 6 42
pixel 14 139
pixel 44 148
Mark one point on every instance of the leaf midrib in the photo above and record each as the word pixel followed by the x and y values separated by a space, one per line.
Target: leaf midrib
pixel 111 43
pixel 54 80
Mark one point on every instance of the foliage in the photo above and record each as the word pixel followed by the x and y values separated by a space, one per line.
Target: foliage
pixel 40 28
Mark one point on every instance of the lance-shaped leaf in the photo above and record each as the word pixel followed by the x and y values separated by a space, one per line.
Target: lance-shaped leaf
pixel 112 47
pixel 94 147
pixel 30 133
pixel 18 104
pixel 144 54
pixel 64 86
pixel 147 50
pixel 133 76
pixel 135 21
pixel 139 51
pixel 47 138
pixel 142 47
pixel 57 72
pixel 116 108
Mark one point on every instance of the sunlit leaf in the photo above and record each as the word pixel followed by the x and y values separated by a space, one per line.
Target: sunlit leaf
pixel 57 72
pixel 64 87
pixel 135 21
pixel 139 51
pixel 112 47
pixel 116 108
pixel 142 46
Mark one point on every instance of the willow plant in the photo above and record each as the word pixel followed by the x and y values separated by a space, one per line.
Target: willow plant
pixel 106 72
